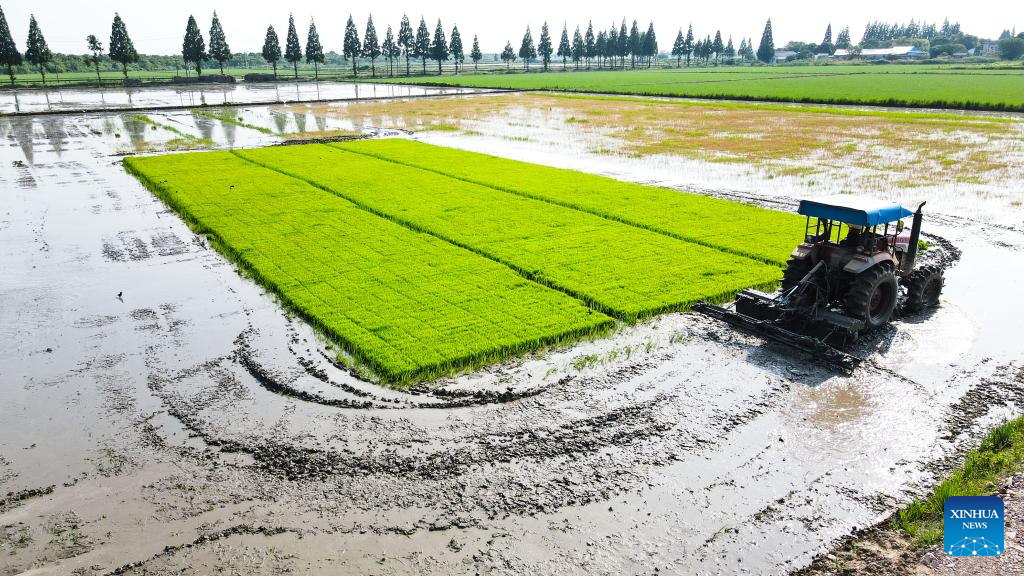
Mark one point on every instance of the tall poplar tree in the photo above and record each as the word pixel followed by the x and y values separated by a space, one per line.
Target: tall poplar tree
pixel 579 49
pixel 508 55
pixel 36 51
pixel 314 49
pixel 590 43
pixel 389 49
pixel 292 49
pixel 544 47
pixel 688 45
pixel 220 52
pixel 527 50
pixel 371 46
pixel 439 47
pixel 423 43
pixel 193 48
pixel 826 43
pixel 564 48
pixel 634 44
pixel 351 48
pixel 406 41
pixel 455 47
pixel 717 47
pixel 766 50
pixel 9 55
pixel 612 50
pixel 623 46
pixel 678 47
pixel 650 44
pixel 843 40
pixel 272 48
pixel 122 49
pixel 475 54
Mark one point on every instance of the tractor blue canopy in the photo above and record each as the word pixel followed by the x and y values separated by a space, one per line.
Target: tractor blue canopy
pixel 858 211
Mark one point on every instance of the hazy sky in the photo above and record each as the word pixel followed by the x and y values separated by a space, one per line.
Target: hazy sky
pixel 157 27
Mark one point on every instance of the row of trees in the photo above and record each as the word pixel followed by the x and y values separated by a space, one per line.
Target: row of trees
pixel 37 52
pixel 609 48
pixel 411 45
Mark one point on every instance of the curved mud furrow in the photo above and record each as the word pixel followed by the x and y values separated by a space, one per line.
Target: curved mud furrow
pixel 648 428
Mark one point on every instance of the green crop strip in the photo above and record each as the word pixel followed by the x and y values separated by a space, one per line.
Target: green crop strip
pixel 406 304
pixel 231 119
pixel 184 138
pixel 764 235
pixel 894 115
pixel 894 86
pixel 623 270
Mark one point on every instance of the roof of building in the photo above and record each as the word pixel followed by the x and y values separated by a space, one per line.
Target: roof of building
pixel 894 51
pixel 851 210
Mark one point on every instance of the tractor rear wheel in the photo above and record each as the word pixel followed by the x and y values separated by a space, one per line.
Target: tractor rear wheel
pixel 795 271
pixel 924 286
pixel 872 296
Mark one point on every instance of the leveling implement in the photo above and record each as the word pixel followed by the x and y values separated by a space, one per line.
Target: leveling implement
pixel 853 272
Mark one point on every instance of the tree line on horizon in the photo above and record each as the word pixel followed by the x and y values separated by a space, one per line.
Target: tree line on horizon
pixel 609 49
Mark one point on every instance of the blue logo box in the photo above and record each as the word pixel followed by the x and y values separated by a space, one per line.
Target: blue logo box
pixel 973 526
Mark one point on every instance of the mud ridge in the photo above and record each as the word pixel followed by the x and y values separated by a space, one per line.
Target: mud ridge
pixel 240 529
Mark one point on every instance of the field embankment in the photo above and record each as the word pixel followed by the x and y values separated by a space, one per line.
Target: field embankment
pixel 906 86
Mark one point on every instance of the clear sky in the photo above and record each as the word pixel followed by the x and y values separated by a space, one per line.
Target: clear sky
pixel 157 26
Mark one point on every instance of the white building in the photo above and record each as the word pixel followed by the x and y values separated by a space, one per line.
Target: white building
pixel 896 52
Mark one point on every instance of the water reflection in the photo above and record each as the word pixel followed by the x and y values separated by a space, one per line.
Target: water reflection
pixel 87 98
pixel 53 127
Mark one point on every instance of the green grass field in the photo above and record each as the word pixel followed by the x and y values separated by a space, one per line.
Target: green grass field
pixel 407 304
pixel 895 85
pixel 728 226
pixel 622 270
pixel 419 273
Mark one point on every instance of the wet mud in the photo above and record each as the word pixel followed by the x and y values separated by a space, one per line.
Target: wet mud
pixel 161 414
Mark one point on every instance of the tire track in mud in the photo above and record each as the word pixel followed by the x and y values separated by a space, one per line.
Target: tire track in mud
pixel 562 446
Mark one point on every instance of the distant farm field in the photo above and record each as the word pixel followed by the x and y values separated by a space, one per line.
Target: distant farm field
pixel 916 86
pixel 420 260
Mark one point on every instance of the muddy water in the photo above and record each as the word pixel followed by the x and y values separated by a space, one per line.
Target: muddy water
pixel 161 414
pixel 71 99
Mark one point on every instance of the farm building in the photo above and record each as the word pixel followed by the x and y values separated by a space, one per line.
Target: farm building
pixel 783 55
pixel 895 53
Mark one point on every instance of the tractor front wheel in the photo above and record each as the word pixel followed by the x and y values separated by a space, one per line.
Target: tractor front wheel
pixel 924 286
pixel 872 296
pixel 795 271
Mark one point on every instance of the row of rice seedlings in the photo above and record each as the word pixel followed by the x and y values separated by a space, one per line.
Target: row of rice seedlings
pixel 765 235
pixel 230 118
pixel 407 305
pixel 183 141
pixel 621 270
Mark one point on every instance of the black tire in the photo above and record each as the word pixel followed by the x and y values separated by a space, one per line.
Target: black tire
pixel 924 286
pixel 873 295
pixel 795 271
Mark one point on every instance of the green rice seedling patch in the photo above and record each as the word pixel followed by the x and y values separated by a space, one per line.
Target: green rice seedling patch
pixel 623 270
pixel 765 235
pixel 229 117
pixel 407 304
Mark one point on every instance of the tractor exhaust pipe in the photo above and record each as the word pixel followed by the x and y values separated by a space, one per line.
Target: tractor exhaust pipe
pixel 915 235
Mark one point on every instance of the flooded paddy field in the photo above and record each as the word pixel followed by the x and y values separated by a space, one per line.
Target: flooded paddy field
pixel 162 414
